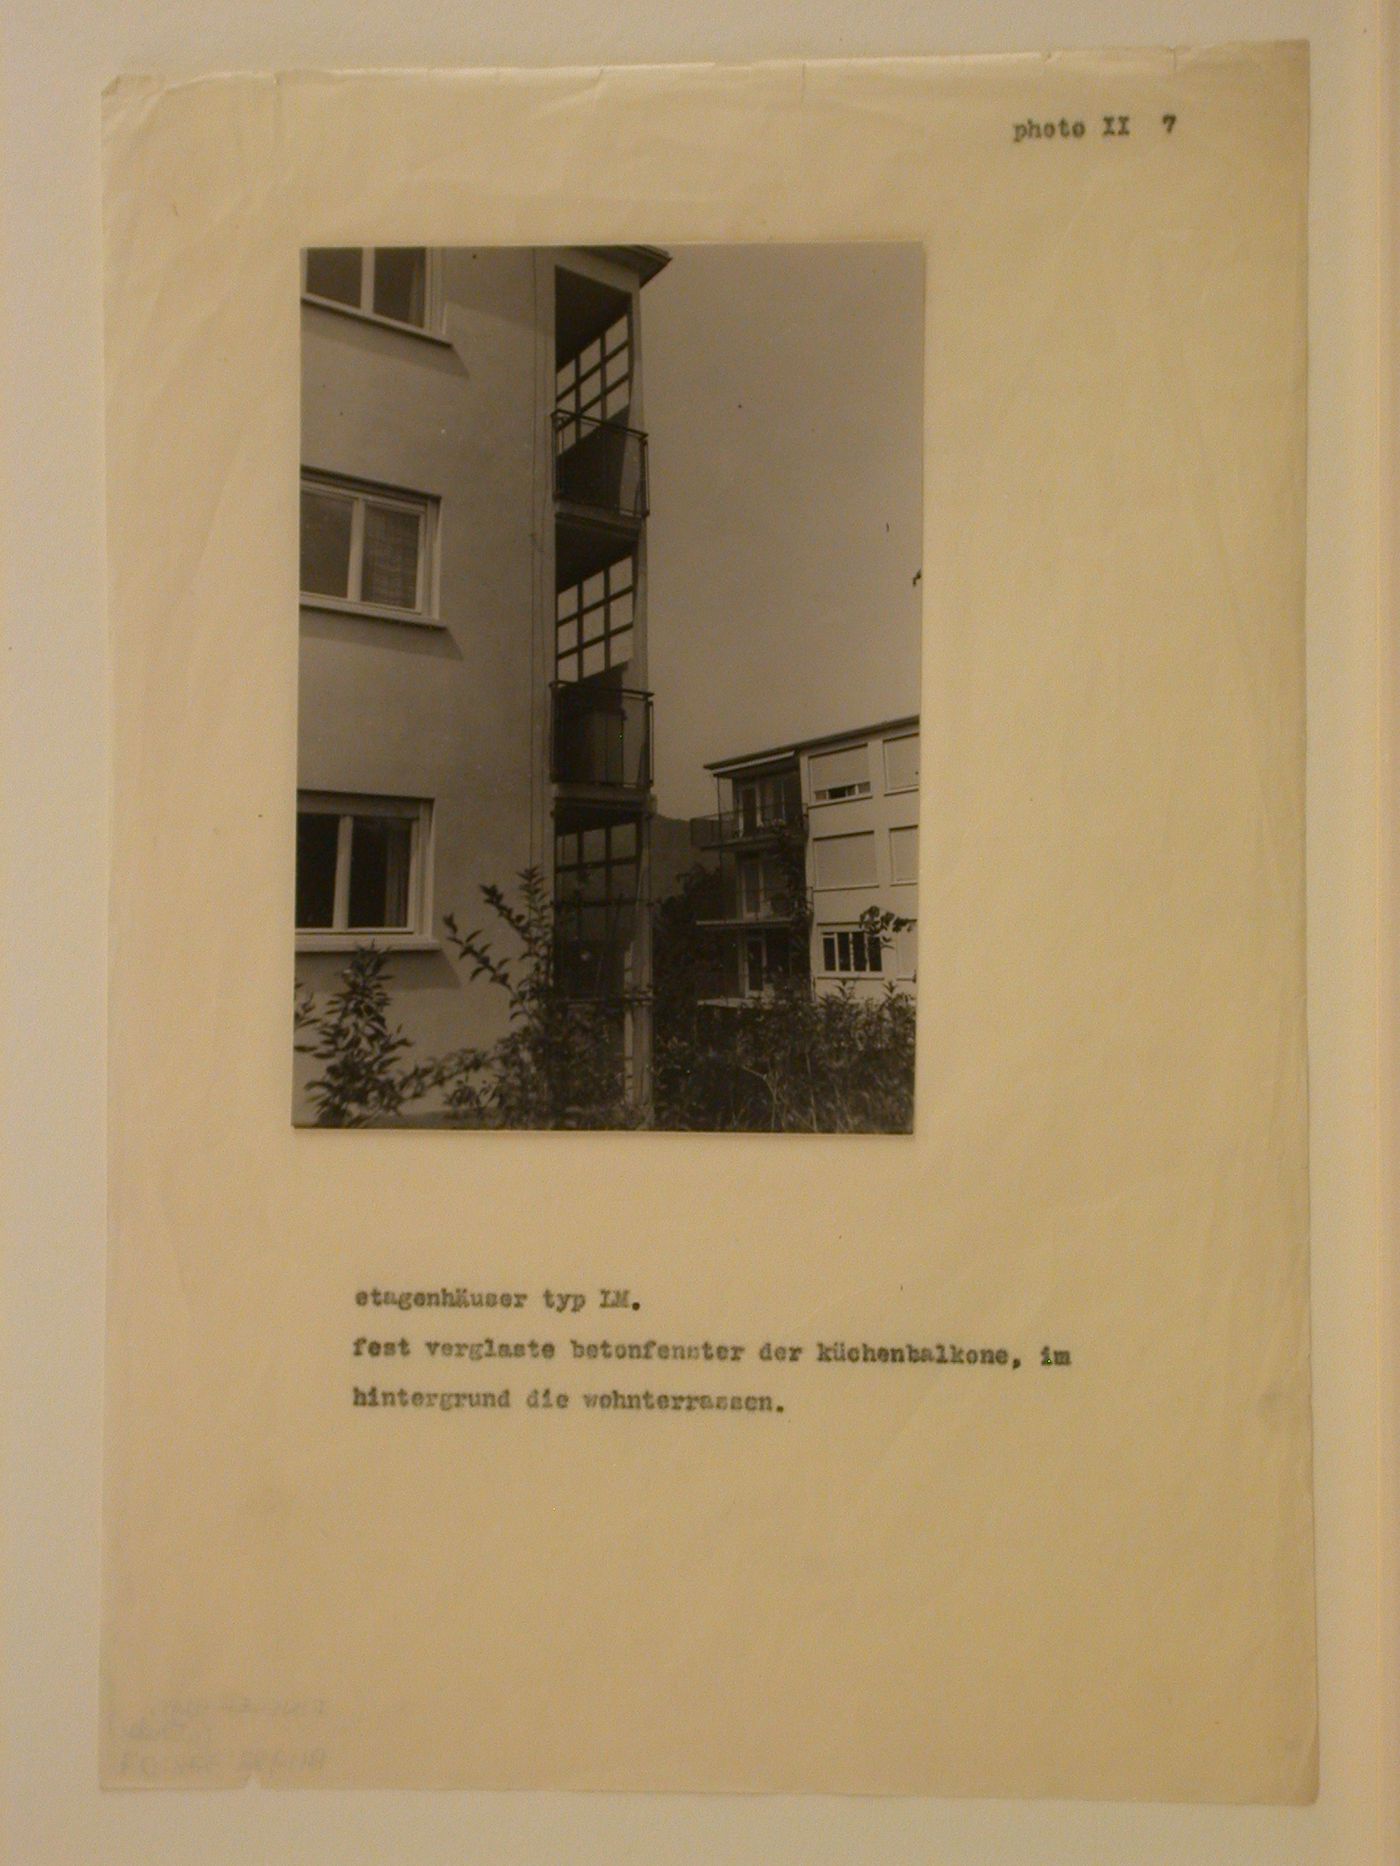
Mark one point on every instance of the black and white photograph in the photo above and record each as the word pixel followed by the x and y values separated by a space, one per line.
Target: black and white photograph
pixel 611 586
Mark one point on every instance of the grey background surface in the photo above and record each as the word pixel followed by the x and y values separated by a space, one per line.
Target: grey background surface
pixel 53 63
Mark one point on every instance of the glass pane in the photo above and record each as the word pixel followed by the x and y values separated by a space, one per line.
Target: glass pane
pixel 829 952
pixel 568 635
pixel 593 660
pixel 380 848
pixel 390 571
pixel 400 283
pixel 620 648
pixel 325 543
pixel 876 953
pixel 316 840
pixel 595 845
pixel 624 841
pixel 334 272
pixel 620 609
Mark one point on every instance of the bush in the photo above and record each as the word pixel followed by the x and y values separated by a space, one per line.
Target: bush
pixel 360 1080
pixel 787 1061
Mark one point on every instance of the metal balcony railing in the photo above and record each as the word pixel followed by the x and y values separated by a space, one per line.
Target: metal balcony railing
pixel 730 827
pixel 600 464
pixel 742 905
pixel 601 736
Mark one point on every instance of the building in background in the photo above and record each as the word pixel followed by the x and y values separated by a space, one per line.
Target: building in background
pixel 810 837
pixel 474 697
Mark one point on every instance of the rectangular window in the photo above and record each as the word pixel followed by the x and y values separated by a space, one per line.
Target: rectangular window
pixel 844 861
pixel 594 621
pixel 902 762
pixel 840 774
pixel 396 284
pixel 904 853
pixel 906 948
pixel 768 802
pixel 367 547
pixel 767 958
pixel 362 868
pixel 596 880
pixel 763 888
pixel 851 951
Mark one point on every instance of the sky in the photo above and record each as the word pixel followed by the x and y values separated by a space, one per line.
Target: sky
pixel 783 396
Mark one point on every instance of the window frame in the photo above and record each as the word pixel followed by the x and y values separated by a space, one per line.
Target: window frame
pixel 590 403
pixel 769 939
pixel 840 793
pixel 898 738
pixel 898 880
pixel 619 903
pixel 771 892
pixel 433 301
pixel 600 611
pixel 346 806
pixel 851 932
pixel 867 836
pixel 362 493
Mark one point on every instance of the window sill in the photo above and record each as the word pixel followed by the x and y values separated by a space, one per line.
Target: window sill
pixel 370 612
pixel 373 317
pixel 352 942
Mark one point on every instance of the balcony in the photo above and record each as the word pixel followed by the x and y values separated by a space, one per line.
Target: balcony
pixel 745 906
pixel 601 738
pixel 600 466
pixel 747 828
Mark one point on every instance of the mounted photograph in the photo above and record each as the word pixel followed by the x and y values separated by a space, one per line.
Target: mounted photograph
pixel 610 632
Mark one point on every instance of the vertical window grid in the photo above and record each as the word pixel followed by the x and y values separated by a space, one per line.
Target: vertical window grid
pixel 597 381
pixel 594 621
pixel 596 879
pixel 852 951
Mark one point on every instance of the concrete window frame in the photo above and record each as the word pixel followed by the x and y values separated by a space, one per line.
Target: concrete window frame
pixel 345 807
pixel 362 306
pixel 360 496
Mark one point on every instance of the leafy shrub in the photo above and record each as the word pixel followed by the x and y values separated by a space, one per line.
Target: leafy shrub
pixel 361 1079
pixel 788 1061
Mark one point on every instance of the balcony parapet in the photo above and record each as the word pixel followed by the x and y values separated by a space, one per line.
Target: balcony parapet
pixel 779 910
pixel 741 829
pixel 600 466
pixel 601 737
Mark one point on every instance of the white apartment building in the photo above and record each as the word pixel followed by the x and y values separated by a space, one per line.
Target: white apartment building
pixel 811 836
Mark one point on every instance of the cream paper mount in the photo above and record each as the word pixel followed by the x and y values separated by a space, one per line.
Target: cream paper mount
pixel 1086 1578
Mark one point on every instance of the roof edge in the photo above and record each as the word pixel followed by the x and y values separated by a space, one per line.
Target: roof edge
pixel 795 746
